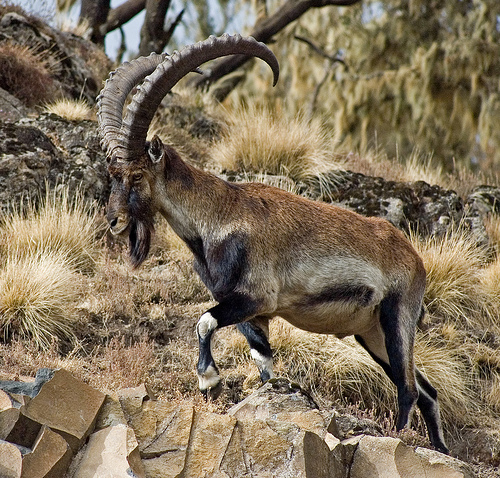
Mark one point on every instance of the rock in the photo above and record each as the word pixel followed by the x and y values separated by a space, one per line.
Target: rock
pixel 9 414
pixel 11 109
pixel 25 431
pixel 277 449
pixel 50 151
pixel 26 158
pixel 77 66
pixel 132 399
pixel 111 414
pixel 348 425
pixel 281 400
pixel 113 451
pixel 390 458
pixel 163 431
pixel 208 443
pixel 63 403
pixel 276 396
pixel 10 460
pixel 27 388
pixel 442 466
pixel 484 200
pixel 50 457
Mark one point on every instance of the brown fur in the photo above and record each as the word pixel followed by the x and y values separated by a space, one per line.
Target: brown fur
pixel 265 252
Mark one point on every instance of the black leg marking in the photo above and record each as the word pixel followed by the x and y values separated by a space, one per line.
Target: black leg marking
pixel 429 407
pixel 260 348
pixel 399 346
pixel 426 402
pixel 235 309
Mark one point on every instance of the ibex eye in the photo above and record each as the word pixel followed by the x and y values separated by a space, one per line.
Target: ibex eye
pixel 137 177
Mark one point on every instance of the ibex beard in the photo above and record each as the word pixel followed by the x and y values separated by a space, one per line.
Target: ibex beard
pixel 129 210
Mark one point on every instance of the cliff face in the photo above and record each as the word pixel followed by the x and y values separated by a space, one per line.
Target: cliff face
pixel 58 426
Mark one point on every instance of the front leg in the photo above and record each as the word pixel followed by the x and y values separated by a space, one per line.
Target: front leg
pixel 256 331
pixel 234 309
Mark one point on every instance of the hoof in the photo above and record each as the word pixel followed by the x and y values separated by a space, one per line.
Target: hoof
pixel 212 393
pixel 442 448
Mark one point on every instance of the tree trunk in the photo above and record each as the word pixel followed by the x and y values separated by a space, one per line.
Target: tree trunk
pixel 153 32
pixel 95 12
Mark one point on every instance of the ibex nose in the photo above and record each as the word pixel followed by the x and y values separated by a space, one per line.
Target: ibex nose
pixel 117 223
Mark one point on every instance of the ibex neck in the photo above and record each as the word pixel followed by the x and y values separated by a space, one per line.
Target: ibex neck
pixel 194 202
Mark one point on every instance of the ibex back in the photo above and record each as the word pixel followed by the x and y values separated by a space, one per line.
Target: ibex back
pixel 263 252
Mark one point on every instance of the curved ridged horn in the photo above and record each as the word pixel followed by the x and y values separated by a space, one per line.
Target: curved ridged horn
pixel 114 94
pixel 132 137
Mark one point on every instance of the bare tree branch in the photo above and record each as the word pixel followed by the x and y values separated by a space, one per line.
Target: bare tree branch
pixel 122 14
pixel 333 60
pixel 173 26
pixel 264 31
pixel 320 51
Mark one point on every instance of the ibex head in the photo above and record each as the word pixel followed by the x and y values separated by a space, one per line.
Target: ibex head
pixel 138 167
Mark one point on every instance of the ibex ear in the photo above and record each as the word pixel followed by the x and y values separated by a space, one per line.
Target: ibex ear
pixel 155 150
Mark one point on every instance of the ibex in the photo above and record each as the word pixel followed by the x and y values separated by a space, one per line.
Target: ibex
pixel 262 252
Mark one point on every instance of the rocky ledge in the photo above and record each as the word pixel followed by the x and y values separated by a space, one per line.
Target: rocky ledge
pixel 57 426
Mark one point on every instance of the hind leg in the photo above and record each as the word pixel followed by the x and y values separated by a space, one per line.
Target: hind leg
pixel 256 331
pixel 399 334
pixel 400 373
pixel 390 344
pixel 429 407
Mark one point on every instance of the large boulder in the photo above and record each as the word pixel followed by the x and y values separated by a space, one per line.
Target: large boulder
pixel 390 458
pixel 50 151
pixel 413 206
pixel 75 67
pixel 44 422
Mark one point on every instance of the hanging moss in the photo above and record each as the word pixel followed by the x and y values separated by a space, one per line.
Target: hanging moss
pixel 419 74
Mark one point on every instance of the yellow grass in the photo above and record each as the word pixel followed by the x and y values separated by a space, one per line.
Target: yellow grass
pixel 448 373
pixel 455 292
pixel 71 110
pixel 490 284
pixel 492 224
pixel 261 141
pixel 37 297
pixel 61 224
pixel 420 168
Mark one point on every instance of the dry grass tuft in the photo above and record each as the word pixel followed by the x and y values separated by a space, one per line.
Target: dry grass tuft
pixel 60 224
pixel 490 284
pixel 262 142
pixel 71 110
pixel 454 292
pixel 492 224
pixel 26 73
pixel 416 167
pixel 423 168
pixel 37 298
